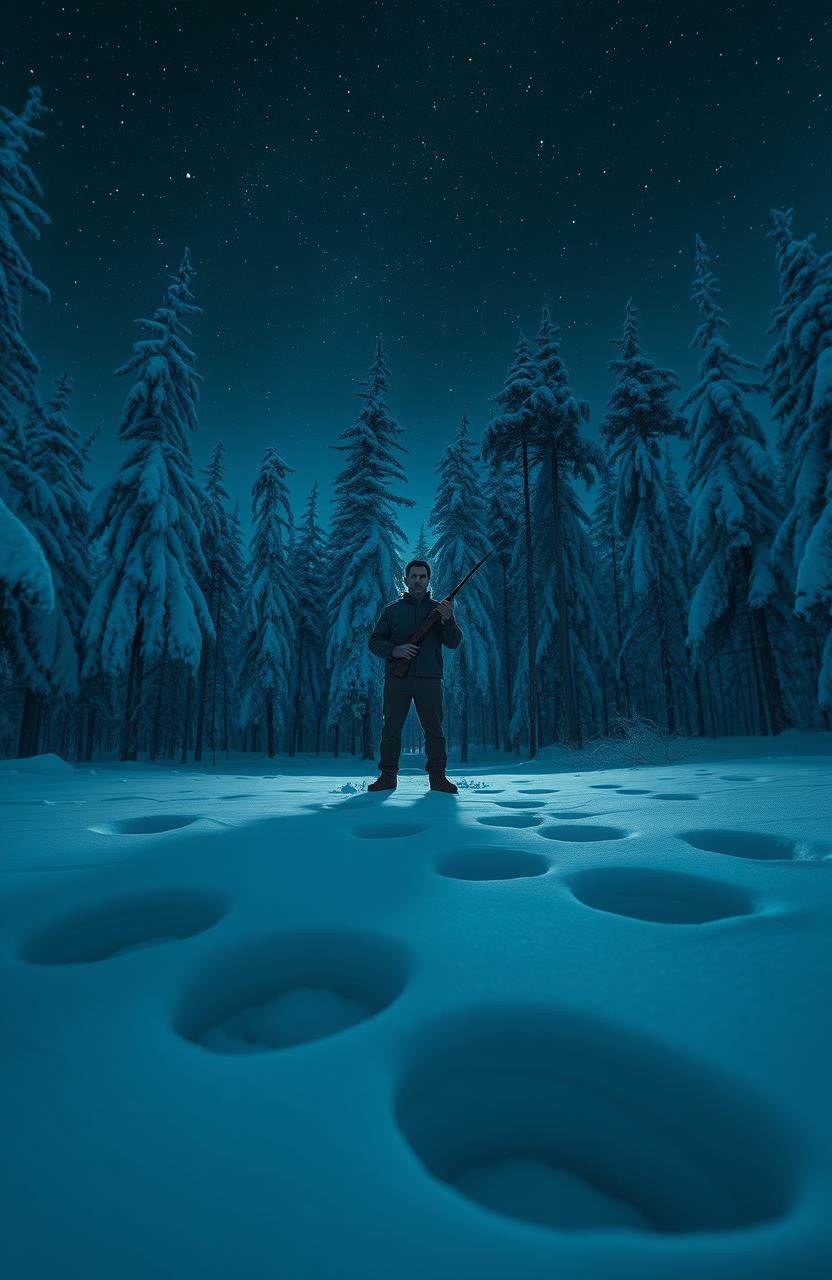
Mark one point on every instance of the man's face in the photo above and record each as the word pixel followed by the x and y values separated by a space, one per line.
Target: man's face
pixel 417 580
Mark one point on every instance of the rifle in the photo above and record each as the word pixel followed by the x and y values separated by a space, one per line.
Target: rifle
pixel 432 618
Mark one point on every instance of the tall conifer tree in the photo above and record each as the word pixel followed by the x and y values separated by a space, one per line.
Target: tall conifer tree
pixel 365 553
pixel 267 624
pixel 148 606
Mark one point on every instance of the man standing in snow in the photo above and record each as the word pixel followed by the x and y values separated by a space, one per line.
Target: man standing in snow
pixel 423 682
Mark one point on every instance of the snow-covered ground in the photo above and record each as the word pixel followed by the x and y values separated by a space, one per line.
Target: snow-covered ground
pixel 574 1022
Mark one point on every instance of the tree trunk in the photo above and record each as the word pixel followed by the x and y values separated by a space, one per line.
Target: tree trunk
pixel 625 687
pixel 700 702
pixel 214 673
pixel 90 742
pixel 29 724
pixel 186 727
pixel 270 743
pixel 156 732
pixel 295 733
pixel 771 683
pixel 664 656
pixel 202 698
pixel 133 699
pixel 463 726
pixel 366 736
pixel 507 738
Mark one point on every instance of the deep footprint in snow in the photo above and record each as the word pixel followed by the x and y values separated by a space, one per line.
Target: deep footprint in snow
pixel 632 791
pixel 604 786
pixel 736 777
pixel 674 795
pixel 147 825
pixel 536 1115
pixel 661 897
pixel 118 925
pixel 757 845
pixel 583 834
pixel 563 815
pixel 519 804
pixel 539 1192
pixel 512 820
pixel 490 864
pixel 540 791
pixel 289 990
pixel 388 830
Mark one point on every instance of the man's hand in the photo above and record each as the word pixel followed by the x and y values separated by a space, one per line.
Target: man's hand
pixel 405 651
pixel 446 609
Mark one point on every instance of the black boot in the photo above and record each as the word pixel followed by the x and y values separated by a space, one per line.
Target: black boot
pixel 387 782
pixel 438 782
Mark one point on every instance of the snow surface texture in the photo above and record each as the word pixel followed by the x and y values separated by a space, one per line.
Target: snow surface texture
pixel 562 1025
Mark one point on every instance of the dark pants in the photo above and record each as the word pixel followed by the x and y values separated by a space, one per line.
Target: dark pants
pixel 427 694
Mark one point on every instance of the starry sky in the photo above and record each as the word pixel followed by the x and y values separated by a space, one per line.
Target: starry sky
pixel 433 172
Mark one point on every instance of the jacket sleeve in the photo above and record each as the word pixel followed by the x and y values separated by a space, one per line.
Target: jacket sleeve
pixel 451 634
pixel 380 643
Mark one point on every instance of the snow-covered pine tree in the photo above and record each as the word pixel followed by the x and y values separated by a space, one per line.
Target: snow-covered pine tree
pixel 679 509
pixel 268 621
pixel 420 551
pixel 308 570
pixel 638 421
pixel 503 522
pixel 56 455
pixel 558 417
pixel 26 634
pixel 224 689
pixel 799 371
pixel 735 512
pixel 508 439
pixel 365 554
pixel 608 586
pixel 148 522
pixel 458 520
pixel 588 649
pixel 218 587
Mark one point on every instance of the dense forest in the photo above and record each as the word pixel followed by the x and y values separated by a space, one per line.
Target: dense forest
pixel 135 621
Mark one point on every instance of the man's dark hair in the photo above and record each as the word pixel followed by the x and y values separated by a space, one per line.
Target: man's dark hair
pixel 411 564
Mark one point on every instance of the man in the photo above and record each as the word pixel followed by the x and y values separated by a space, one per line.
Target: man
pixel 423 682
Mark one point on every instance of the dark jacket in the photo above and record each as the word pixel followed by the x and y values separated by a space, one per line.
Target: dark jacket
pixel 396 625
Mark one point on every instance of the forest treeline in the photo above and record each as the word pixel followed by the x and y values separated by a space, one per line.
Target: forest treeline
pixel 135 621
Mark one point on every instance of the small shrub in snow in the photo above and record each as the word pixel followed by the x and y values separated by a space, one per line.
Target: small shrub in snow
pixel 636 740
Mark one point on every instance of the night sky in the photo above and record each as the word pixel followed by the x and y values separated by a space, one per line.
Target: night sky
pixel 431 171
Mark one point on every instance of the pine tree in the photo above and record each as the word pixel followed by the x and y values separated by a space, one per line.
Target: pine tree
pixel 56 455
pixel 458 517
pixel 218 586
pixel 639 420
pixel 503 526
pixel 268 628
pixel 26 631
pixel 799 370
pixel 558 417
pixel 420 551
pixel 734 516
pixel 365 548
pixel 608 551
pixel 224 682
pixel 508 437
pixel 308 573
pixel 148 606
